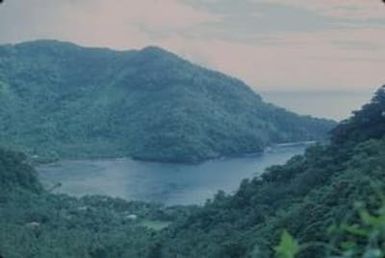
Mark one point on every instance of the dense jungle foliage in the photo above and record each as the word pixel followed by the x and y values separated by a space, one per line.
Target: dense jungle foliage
pixel 307 196
pixel 61 100
pixel 36 223
pixel 312 197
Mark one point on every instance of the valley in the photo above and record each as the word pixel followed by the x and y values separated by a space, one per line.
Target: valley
pixel 192 129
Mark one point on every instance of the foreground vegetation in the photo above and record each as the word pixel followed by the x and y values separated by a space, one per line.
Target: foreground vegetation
pixel 330 200
pixel 61 100
pixel 36 223
pixel 307 196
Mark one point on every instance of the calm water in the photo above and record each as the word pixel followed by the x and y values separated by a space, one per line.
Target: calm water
pixel 160 182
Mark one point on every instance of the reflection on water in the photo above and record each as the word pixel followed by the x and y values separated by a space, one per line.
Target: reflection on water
pixel 160 182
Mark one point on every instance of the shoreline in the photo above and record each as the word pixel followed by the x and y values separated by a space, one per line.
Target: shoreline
pixel 192 163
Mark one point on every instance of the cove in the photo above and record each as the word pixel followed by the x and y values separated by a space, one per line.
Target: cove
pixel 166 183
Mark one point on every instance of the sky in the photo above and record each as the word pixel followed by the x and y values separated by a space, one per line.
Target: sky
pixel 273 45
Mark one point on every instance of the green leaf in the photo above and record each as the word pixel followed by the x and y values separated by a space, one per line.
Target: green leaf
pixel 371 220
pixel 356 230
pixel 288 246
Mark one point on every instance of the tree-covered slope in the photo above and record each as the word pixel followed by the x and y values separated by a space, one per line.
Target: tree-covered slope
pixel 307 196
pixel 16 174
pixel 59 99
pixel 35 223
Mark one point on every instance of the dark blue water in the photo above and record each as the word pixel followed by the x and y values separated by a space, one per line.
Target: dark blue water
pixel 160 182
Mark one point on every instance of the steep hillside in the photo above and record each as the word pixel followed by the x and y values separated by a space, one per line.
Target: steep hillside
pixel 16 174
pixel 307 196
pixel 62 100
pixel 37 224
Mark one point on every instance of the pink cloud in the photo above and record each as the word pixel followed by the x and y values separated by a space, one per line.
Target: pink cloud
pixel 310 60
pixel 295 60
pixel 114 23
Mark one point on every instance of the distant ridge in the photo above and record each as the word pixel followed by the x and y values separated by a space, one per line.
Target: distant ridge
pixel 66 101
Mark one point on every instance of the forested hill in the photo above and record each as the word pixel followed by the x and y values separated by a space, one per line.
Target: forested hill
pixel 312 196
pixel 62 100
pixel 38 224
pixel 16 174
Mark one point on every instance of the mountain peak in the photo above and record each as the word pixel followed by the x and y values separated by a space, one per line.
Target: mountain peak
pixel 46 43
pixel 155 51
pixel 147 104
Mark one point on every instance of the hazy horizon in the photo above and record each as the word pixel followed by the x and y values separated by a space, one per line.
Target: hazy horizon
pixel 142 154
pixel 337 105
pixel 317 45
pixel 272 45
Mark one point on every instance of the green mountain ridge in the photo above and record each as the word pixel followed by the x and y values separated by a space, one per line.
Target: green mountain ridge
pixel 66 101
pixel 308 196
